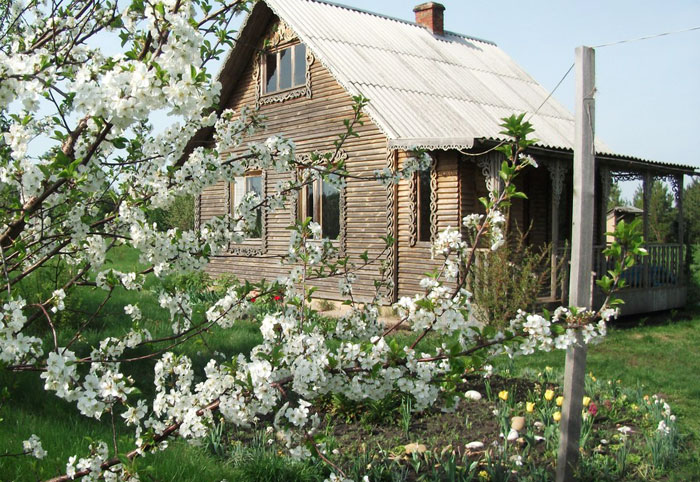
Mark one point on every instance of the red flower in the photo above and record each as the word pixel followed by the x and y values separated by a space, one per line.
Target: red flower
pixel 252 300
pixel 277 297
pixel 592 409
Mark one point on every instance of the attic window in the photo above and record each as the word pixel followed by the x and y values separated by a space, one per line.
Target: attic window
pixel 285 69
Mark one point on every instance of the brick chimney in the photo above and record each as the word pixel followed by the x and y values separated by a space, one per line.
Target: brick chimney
pixel 431 16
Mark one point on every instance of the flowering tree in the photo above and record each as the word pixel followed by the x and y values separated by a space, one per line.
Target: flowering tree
pixel 81 166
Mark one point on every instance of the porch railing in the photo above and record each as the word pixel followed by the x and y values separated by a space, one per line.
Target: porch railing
pixel 661 268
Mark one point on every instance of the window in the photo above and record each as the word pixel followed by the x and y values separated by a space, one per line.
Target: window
pixel 285 69
pixel 424 196
pixel 251 182
pixel 320 201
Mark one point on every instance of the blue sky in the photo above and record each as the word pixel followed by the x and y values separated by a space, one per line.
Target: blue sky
pixel 648 101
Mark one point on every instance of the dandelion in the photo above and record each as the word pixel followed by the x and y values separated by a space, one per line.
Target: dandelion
pixel 530 407
pixel 503 395
pixel 549 395
pixel 556 416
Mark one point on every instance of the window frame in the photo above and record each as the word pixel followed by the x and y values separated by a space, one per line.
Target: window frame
pixel 420 200
pixel 317 205
pixel 277 52
pixel 295 90
pixel 415 222
pixel 299 206
pixel 249 246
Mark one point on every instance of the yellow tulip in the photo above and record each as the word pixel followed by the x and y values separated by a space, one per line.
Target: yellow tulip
pixel 548 395
pixel 560 400
pixel 586 401
pixel 556 416
pixel 530 407
pixel 503 395
pixel 483 475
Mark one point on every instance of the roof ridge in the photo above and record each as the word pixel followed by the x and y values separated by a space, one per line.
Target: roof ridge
pixel 401 20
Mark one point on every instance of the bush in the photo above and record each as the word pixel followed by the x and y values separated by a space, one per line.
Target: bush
pixel 509 279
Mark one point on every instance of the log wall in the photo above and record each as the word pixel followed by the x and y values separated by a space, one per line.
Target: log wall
pixel 313 124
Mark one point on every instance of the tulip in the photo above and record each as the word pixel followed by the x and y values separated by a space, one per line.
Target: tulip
pixel 503 395
pixel 548 395
pixel 586 401
pixel 530 407
pixel 560 400
pixel 556 416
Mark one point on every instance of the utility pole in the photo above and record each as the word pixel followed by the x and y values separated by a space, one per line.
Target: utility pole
pixel 580 281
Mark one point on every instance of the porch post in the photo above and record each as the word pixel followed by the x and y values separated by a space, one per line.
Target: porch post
pixel 605 181
pixel 647 180
pixel 677 183
pixel 678 188
pixel 646 194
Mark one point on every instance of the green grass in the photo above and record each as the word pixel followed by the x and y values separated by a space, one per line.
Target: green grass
pixel 663 356
pixel 29 409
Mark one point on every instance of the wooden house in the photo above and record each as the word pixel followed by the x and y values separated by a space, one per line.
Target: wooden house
pixel 300 62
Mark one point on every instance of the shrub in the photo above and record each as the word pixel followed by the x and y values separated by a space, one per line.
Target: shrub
pixel 509 279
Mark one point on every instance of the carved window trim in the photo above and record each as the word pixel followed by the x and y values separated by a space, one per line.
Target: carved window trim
pixel 254 246
pixel 282 37
pixel 414 207
pixel 341 242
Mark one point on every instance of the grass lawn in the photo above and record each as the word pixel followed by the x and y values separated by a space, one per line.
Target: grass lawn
pixel 661 354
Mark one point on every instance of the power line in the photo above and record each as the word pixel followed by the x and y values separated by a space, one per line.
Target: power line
pixel 551 93
pixel 608 45
pixel 647 37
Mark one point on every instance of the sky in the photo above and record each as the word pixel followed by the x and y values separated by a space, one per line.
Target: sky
pixel 648 100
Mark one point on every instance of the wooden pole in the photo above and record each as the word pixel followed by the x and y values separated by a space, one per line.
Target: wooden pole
pixel 580 282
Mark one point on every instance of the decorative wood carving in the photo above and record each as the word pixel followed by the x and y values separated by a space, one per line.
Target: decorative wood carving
pixel 433 201
pixel 626 176
pixel 392 290
pixel 557 173
pixel 490 165
pixel 198 212
pixel 250 247
pixel 281 33
pixel 413 209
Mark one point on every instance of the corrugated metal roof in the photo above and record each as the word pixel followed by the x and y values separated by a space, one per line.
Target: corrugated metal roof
pixel 435 92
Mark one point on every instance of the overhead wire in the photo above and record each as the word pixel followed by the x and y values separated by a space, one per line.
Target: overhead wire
pixel 647 37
